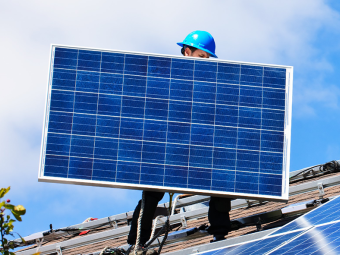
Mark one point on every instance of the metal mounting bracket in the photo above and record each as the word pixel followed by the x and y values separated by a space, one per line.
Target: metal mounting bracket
pixel 113 223
pixel 184 222
pixel 258 224
pixel 58 250
pixel 321 190
pixel 255 202
pixel 39 243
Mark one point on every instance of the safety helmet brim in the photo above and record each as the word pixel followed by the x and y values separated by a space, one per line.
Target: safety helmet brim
pixel 198 47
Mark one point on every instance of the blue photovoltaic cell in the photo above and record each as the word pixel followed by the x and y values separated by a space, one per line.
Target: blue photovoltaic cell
pixel 328 212
pixel 320 240
pixel 254 248
pixel 167 122
pixel 319 229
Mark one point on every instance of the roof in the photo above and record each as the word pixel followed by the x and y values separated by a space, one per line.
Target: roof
pixel 310 186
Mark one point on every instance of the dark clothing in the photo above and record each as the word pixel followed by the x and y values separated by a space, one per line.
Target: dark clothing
pixel 150 205
pixel 218 216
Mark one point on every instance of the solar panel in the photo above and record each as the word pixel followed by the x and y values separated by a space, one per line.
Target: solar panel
pixel 319 240
pixel 255 247
pixel 327 212
pixel 316 232
pixel 159 122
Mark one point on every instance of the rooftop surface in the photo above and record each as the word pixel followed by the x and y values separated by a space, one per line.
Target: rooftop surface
pixel 310 186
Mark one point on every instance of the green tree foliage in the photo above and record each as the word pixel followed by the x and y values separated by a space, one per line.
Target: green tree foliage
pixel 8 210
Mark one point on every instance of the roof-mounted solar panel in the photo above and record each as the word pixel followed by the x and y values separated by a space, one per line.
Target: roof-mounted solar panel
pixel 327 212
pixel 167 123
pixel 323 239
pixel 261 246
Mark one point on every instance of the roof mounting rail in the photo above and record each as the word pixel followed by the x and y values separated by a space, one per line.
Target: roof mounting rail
pixel 314 171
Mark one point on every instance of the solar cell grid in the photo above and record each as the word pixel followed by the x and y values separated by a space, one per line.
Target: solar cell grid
pixel 316 232
pixel 320 240
pixel 328 212
pixel 256 247
pixel 168 122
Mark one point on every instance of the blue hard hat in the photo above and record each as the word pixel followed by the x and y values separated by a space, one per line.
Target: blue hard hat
pixel 201 40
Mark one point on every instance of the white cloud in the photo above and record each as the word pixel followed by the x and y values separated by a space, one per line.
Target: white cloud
pixel 315 97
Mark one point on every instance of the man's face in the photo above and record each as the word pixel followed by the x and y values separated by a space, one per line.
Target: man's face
pixel 197 53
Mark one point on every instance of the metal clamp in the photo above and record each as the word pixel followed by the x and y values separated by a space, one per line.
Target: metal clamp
pixel 255 202
pixel 58 250
pixel 250 203
pixel 113 223
pixel 321 190
pixel 39 243
pixel 258 224
pixel 184 222
pixel 174 204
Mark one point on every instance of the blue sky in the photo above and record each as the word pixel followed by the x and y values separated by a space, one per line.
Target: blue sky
pixel 304 34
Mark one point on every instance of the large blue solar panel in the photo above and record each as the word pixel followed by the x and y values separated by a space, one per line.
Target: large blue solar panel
pixel 167 123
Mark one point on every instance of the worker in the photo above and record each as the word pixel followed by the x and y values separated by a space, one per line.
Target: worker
pixel 197 44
